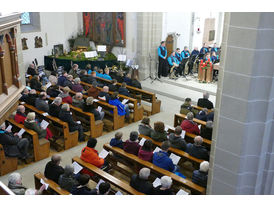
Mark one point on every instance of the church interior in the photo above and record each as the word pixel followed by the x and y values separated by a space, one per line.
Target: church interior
pixel 135 103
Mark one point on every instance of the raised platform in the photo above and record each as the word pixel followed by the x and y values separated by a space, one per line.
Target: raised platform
pixel 181 88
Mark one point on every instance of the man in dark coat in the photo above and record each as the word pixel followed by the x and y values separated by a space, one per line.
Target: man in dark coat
pixel 140 182
pixel 176 140
pixel 14 145
pixel 41 102
pixel 55 107
pixel 31 98
pixel 53 169
pixel 197 150
pixel 65 115
pixel 104 94
pixel 204 102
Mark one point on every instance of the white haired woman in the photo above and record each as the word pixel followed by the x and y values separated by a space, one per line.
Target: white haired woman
pixel 199 177
pixel 165 187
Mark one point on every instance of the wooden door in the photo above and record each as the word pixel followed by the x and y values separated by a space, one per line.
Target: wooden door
pixel 169 44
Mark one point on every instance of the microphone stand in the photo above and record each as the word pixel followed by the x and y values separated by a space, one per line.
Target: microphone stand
pixel 150 76
pixel 156 75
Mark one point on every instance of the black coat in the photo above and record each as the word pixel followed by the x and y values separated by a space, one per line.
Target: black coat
pixel 53 171
pixel 9 143
pixel 123 91
pixel 67 83
pixel 199 152
pixel 177 142
pixel 54 110
pixel 87 79
pixel 206 133
pixel 92 109
pixel 157 191
pixel 31 98
pixel 67 117
pixel 104 94
pixel 141 185
pixel 31 71
pixel 113 88
pixel 205 103
pixel 35 84
pixel 136 83
pixel 53 92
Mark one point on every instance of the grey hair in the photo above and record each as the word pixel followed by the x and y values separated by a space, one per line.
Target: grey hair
pixel 144 173
pixel 204 166
pixel 77 80
pixel 57 100
pixel 198 140
pixel 14 178
pixel 166 182
pixel 68 170
pixel 78 95
pixel 32 91
pixel 65 107
pixel 190 116
pixel 206 95
pixel 205 110
pixel 56 158
pixel 209 124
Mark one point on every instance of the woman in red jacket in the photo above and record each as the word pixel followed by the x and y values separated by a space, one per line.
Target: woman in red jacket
pixel 65 95
pixel 189 126
pixel 145 152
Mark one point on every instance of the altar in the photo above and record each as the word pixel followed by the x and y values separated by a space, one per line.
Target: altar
pixel 66 62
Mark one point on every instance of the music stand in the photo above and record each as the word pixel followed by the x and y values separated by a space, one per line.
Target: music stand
pixel 156 74
pixel 150 76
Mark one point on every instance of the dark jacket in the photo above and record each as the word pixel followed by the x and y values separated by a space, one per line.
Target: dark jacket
pixel 116 143
pixel 199 152
pixel 113 88
pixel 31 99
pixel 190 126
pixel 61 80
pixel 31 71
pixel 123 91
pixel 136 83
pixel 127 80
pixel 9 142
pixel 206 133
pixel 186 108
pixel 199 178
pixel 67 117
pixel 158 191
pixel 119 105
pixel 35 84
pixel 41 104
pixel 67 182
pixel 86 78
pixel 53 171
pixel 92 109
pixel 201 116
pixel 177 142
pixel 145 155
pixel 157 136
pixel 104 94
pixel 53 92
pixel 131 147
pixel 54 110
pixel 20 117
pixel 210 116
pixel 145 130
pixel 93 92
pixel 141 185
pixel 23 98
pixel 67 83
pixel 83 191
pixel 17 189
pixel 161 159
pixel 205 103
pixel 77 87
pixel 78 103
pixel 42 133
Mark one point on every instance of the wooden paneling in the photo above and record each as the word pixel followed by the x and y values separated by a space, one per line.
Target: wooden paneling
pixel 7 63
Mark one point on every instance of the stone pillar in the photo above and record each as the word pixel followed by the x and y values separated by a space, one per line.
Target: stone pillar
pixel 242 156
pixel 149 36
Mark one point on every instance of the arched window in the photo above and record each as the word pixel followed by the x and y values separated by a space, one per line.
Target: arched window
pixel 25 18
pixel 30 22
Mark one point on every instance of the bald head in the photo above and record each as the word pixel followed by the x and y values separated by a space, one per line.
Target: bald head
pixel 21 109
pixel 206 95
pixel 198 140
pixel 26 91
pixel 105 89
pixel 56 159
pixel 79 96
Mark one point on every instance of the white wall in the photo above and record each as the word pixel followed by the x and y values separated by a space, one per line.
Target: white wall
pixel 56 28
pixel 177 22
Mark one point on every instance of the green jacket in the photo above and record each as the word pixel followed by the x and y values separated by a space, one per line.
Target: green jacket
pixel 186 108
pixel 73 73
pixel 42 133
pixel 157 136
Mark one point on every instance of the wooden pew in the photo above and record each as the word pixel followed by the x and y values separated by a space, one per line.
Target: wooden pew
pixel 146 95
pixel 70 138
pixel 178 118
pixel 53 188
pixel 178 152
pixel 7 164
pixel 41 147
pixel 118 121
pixel 138 110
pixel 200 108
pixel 107 177
pixel 4 190
pixel 139 163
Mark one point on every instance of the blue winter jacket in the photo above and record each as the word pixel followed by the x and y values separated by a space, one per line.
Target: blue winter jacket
pixel 119 105
pixel 161 159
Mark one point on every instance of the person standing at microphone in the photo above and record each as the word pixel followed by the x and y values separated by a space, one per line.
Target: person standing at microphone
pixel 162 53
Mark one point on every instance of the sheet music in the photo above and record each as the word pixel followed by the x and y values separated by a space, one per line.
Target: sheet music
pixel 122 58
pixel 48 85
pixel 175 158
pixel 182 192
pixel 44 124
pixel 9 128
pixel 157 149
pixel 102 98
pixel 142 141
pixel 99 109
pixel 124 101
pixel 168 127
pixel 199 126
pixel 183 134
pixel 43 183
pixel 156 182
pixel 103 154
pixel 102 48
pixel 77 167
pixel 96 100
pixel 118 193
pixel 21 132
pixel 78 122
pixel 45 114
pixel 101 181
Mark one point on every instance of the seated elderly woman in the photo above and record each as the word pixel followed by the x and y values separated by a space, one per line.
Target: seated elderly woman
pixel 77 87
pixel 144 127
pixel 16 186
pixel 141 183
pixel 197 150
pixel 206 132
pixel 67 180
pixel 30 123
pixel 77 100
pixel 65 95
pixel 164 188
pixel 199 177
pixel 189 125
pixel 159 134
pixel 53 90
pixel 89 107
